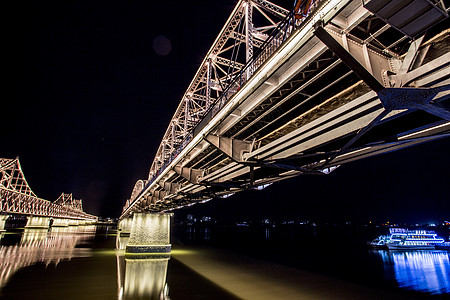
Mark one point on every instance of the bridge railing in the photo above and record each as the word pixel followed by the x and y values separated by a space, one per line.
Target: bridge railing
pixel 276 38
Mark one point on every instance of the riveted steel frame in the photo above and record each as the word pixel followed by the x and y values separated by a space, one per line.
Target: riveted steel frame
pixel 311 87
pixel 16 196
pixel 220 66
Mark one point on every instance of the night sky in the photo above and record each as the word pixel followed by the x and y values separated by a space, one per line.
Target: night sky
pixel 91 86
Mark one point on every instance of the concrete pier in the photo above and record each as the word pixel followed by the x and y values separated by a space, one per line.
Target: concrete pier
pixel 38 222
pixel 122 241
pixel 3 222
pixel 59 222
pixel 73 222
pixel 124 227
pixel 123 233
pixel 150 234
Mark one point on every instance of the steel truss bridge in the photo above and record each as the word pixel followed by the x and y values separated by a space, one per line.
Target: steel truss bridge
pixel 16 197
pixel 284 93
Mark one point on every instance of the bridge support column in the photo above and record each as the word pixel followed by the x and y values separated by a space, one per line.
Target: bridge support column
pixel 73 222
pixel 150 234
pixel 3 222
pixel 123 233
pixel 58 222
pixel 124 226
pixel 38 222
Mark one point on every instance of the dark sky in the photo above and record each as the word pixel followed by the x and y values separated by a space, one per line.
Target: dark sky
pixel 88 97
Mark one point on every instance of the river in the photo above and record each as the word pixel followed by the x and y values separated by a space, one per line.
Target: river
pixel 218 262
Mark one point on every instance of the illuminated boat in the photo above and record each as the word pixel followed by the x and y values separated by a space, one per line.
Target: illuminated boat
pixel 380 242
pixel 443 246
pixel 404 239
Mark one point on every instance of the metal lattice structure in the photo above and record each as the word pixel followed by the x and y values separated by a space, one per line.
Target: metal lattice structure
pixel 16 196
pixel 220 74
pixel 68 200
pixel 330 82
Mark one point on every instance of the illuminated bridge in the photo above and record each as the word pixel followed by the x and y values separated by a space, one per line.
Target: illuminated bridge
pixel 283 93
pixel 17 198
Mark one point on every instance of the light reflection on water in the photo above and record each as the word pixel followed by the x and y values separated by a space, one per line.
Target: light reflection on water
pixel 148 277
pixel 43 246
pixel 425 271
pixel 140 277
pixel 99 272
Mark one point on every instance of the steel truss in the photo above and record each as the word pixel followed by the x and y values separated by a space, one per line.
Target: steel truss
pixel 241 47
pixel 16 196
pixel 234 47
pixel 320 99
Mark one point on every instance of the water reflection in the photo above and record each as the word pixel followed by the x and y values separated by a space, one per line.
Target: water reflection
pixel 207 235
pixel 191 233
pixel 194 234
pixel 425 271
pixel 140 277
pixel 267 233
pixel 43 246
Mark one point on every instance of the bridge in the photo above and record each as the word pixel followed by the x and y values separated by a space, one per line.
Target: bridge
pixel 17 198
pixel 286 93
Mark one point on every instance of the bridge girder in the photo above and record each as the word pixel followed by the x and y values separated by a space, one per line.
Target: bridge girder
pixel 170 186
pixel 233 148
pixel 189 174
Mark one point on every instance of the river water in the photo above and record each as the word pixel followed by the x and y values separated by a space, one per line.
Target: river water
pixel 218 262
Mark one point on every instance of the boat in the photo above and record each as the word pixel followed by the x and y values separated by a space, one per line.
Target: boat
pixel 443 246
pixel 410 247
pixel 380 242
pixel 405 239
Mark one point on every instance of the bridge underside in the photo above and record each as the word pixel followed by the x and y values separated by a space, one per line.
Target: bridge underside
pixel 346 85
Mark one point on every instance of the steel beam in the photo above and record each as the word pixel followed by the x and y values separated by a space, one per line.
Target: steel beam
pixel 233 148
pixel 169 186
pixel 347 58
pixel 191 175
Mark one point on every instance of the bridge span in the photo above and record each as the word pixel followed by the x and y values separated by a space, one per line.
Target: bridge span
pixel 284 93
pixel 17 198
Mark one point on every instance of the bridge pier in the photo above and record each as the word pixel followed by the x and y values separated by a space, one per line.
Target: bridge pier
pixel 73 222
pixel 124 226
pixel 59 222
pixel 123 233
pixel 38 222
pixel 150 234
pixel 3 219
